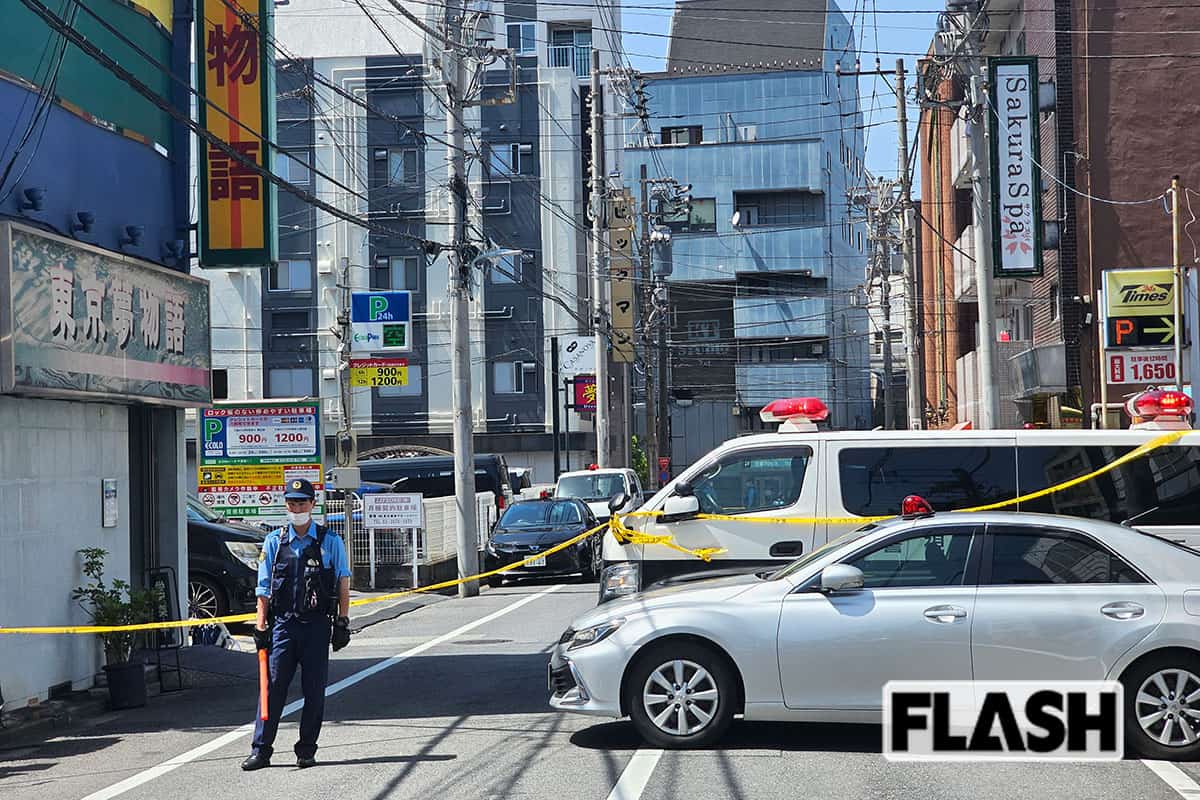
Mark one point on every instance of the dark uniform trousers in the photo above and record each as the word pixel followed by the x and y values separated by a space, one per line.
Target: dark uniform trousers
pixel 296 642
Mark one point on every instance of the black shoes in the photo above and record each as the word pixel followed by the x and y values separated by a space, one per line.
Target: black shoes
pixel 255 761
pixel 305 761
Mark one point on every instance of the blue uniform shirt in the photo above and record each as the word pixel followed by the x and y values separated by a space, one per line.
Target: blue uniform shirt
pixel 333 553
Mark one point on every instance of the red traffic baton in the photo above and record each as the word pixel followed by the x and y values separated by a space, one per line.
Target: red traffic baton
pixel 263 681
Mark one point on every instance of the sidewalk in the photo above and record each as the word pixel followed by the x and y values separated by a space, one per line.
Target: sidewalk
pixel 201 667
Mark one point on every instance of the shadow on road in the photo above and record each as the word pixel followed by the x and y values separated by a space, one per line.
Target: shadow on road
pixel 790 737
pixel 349 762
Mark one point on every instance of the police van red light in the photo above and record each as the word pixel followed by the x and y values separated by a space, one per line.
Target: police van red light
pixel 795 413
pixel 915 506
pixel 1160 409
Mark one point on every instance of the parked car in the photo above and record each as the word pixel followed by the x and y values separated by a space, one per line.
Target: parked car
pixel 945 597
pixel 597 487
pixel 433 476
pixel 531 526
pixel 222 562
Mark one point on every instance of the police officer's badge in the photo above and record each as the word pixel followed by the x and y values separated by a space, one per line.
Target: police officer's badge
pixel 296 485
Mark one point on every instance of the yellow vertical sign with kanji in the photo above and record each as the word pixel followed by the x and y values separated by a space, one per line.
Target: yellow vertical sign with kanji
pixel 620 255
pixel 234 72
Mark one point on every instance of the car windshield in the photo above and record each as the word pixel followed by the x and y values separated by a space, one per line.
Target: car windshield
pixel 530 515
pixel 590 487
pixel 822 551
pixel 198 509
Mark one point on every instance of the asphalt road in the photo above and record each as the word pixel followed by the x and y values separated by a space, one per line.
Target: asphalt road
pixel 449 701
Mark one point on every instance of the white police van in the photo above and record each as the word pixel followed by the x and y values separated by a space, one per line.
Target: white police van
pixel 800 472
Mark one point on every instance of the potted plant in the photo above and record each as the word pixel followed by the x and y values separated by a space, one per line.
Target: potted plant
pixel 118 604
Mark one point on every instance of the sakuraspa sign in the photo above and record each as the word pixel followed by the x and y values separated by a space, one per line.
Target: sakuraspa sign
pixel 249 452
pixel 1016 177
pixel 236 202
pixel 79 321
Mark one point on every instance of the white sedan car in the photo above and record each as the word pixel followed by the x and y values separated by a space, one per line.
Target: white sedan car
pixel 984 596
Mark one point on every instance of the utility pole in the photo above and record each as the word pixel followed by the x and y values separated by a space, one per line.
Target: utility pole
pixel 877 225
pixel 914 378
pixel 599 317
pixel 651 442
pixel 347 441
pixel 989 400
pixel 459 266
pixel 1177 280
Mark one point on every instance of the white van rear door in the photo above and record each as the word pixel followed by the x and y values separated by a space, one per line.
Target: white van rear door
pixel 747 484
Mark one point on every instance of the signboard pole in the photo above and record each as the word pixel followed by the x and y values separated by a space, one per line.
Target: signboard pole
pixel 371 553
pixel 415 560
pixel 1103 367
pixel 1177 280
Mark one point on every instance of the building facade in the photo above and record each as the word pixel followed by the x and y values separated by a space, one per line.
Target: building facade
pixel 104 339
pixel 527 166
pixel 768 267
pixel 1104 174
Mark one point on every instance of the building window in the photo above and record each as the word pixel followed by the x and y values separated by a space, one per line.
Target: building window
pixel 521 38
pixel 514 377
pixel 293 166
pixel 411 389
pixel 293 275
pixel 685 134
pixel 220 384
pixel 509 159
pixel 897 337
pixel 1055 310
pixel 778 208
pixel 402 166
pixel 289 382
pixel 506 269
pixel 572 47
pixel 396 273
pixel 700 217
pixel 747 133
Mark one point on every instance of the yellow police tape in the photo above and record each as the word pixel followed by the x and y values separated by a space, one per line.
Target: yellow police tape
pixel 229 618
pixel 625 535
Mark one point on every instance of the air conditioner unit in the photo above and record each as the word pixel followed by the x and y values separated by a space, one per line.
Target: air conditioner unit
pixel 736 411
pixel 525 148
pixel 818 349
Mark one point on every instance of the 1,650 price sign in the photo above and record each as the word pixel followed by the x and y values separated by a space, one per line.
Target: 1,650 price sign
pixel 378 372
pixel 1148 366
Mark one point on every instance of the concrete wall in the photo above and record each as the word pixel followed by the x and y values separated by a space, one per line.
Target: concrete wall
pixel 53 455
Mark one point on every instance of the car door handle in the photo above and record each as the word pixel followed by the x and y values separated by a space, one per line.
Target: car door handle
pixel 945 614
pixel 1123 610
pixel 787 549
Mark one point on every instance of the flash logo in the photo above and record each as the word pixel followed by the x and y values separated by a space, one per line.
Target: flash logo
pixel 1003 720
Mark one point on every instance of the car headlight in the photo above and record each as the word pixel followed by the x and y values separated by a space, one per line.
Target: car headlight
pixel 619 580
pixel 596 633
pixel 490 547
pixel 245 552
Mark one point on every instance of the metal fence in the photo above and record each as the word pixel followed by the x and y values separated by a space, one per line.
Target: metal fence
pixel 438 541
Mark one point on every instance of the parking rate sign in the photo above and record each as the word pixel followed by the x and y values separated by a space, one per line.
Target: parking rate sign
pixel 249 451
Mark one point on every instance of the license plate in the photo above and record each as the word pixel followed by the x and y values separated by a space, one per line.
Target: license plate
pixel 537 562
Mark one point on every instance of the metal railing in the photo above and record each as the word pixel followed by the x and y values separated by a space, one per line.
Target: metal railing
pixel 438 542
pixel 578 57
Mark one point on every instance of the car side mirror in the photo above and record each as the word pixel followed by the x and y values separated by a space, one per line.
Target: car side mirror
pixel 618 500
pixel 684 489
pixel 841 578
pixel 677 508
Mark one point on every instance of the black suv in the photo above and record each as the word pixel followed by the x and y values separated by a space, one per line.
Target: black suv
pixel 222 563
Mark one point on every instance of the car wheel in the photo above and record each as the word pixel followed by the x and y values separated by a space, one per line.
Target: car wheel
pixel 1162 708
pixel 680 695
pixel 206 599
pixel 494 581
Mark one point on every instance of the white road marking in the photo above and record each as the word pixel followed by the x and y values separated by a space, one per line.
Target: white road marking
pixel 171 764
pixel 1176 778
pixel 636 775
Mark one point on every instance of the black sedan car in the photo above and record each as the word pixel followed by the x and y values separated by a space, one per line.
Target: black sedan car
pixel 222 563
pixel 530 527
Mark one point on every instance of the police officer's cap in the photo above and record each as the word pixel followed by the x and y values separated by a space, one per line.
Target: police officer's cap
pixel 299 489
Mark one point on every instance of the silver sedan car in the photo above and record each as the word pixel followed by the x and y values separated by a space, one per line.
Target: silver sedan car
pixel 982 596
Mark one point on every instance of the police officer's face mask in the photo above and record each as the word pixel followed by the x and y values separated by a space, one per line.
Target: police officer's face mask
pixel 299 517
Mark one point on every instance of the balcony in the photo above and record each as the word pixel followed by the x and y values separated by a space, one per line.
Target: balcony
pixel 961 160
pixel 577 57
pixel 964 265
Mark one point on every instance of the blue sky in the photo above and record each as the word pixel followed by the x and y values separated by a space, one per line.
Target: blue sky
pixel 908 34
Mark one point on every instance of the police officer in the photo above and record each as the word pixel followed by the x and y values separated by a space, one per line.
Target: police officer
pixel 303 582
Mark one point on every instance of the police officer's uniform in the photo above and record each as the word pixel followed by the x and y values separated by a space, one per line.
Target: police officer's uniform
pixel 300 576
